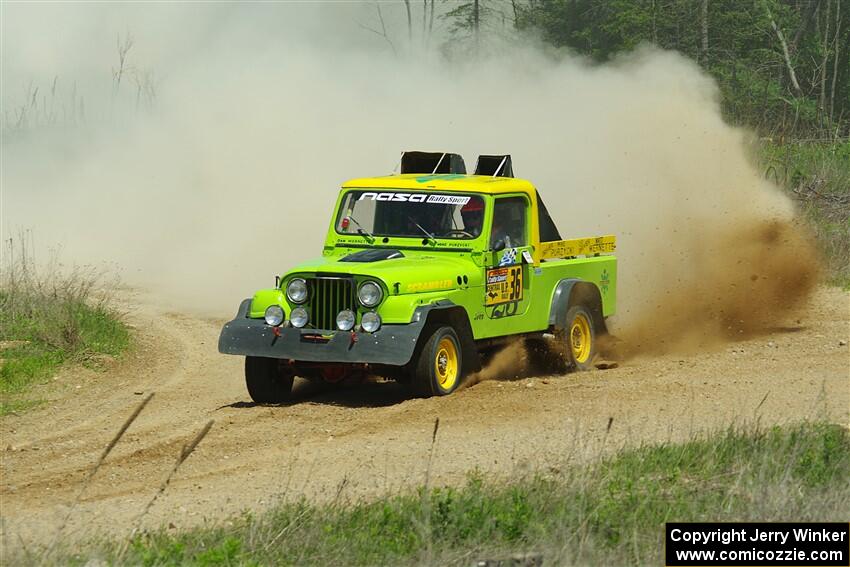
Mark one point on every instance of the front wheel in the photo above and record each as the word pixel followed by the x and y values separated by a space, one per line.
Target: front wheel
pixel 268 380
pixel 580 338
pixel 438 369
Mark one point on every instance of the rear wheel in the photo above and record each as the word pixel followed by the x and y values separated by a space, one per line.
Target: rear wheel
pixel 438 369
pixel 580 338
pixel 268 380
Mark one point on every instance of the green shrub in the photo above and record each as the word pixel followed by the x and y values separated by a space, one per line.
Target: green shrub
pixel 817 176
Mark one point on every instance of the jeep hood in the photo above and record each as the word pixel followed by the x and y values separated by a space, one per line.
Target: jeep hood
pixel 414 272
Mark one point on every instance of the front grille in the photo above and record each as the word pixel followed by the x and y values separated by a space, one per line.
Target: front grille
pixel 329 296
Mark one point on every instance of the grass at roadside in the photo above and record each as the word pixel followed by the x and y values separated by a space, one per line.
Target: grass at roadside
pixel 49 317
pixel 610 513
pixel 818 177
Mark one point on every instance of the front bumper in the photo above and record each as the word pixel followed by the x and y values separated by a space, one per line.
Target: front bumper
pixel 391 344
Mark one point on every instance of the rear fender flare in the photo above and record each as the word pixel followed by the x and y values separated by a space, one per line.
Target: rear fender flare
pixel 573 291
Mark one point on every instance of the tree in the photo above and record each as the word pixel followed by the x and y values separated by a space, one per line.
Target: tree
pixel 783 66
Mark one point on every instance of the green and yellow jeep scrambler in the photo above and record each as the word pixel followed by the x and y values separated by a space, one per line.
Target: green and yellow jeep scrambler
pixel 421 274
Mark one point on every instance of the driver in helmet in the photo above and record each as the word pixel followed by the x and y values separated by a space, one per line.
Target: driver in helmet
pixel 472 214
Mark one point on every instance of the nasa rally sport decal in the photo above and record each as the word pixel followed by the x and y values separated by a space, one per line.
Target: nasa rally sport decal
pixel 416 198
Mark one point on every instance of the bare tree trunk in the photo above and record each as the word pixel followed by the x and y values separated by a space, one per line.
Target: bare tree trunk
pixel 383 32
pixel 431 21
pixel 654 22
pixel 785 53
pixel 811 8
pixel 409 22
pixel 825 60
pixel 124 48
pixel 835 60
pixel 475 21
pixel 424 21
pixel 704 22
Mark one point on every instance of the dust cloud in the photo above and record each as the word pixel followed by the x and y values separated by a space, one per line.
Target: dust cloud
pixel 215 163
pixel 508 362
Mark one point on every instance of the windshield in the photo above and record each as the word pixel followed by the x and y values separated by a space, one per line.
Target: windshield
pixel 418 215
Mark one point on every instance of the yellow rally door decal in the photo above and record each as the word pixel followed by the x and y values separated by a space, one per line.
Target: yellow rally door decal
pixel 504 285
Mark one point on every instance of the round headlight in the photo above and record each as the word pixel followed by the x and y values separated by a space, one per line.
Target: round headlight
pixel 274 315
pixel 299 317
pixel 296 291
pixel 345 320
pixel 370 322
pixel 370 294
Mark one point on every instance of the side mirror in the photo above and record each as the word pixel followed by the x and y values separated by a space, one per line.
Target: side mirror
pixel 499 245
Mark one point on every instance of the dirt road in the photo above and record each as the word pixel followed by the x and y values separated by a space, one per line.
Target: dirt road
pixel 358 442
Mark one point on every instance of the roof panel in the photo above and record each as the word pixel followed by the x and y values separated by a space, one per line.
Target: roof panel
pixel 446 182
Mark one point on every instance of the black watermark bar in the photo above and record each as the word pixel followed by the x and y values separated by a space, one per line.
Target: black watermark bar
pixel 762 544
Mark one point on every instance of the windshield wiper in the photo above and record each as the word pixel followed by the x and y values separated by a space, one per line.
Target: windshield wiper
pixel 431 239
pixel 362 231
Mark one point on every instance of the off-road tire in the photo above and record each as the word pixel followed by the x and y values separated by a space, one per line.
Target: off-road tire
pixel 268 381
pixel 438 370
pixel 579 338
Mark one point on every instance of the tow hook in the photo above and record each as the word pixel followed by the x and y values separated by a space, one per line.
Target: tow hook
pixel 353 339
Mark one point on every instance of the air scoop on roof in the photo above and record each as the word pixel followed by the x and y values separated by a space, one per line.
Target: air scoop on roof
pixel 432 162
pixel 495 166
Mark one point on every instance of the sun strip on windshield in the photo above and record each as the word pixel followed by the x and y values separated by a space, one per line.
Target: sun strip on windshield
pixel 416 198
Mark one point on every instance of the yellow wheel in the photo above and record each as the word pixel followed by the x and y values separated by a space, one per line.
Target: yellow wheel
pixel 439 368
pixel 446 363
pixel 581 338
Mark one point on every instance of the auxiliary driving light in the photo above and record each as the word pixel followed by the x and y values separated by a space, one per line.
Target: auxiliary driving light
pixel 370 294
pixel 299 317
pixel 274 315
pixel 296 290
pixel 370 322
pixel 345 320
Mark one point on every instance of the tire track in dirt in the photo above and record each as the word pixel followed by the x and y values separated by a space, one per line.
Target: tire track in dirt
pixel 373 438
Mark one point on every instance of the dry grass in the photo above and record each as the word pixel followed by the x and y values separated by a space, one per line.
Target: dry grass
pixel 93 471
pixel 51 314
